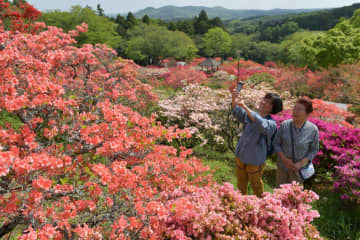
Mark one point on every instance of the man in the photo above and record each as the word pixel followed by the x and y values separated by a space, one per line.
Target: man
pixel 255 140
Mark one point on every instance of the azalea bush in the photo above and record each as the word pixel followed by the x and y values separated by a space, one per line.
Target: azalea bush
pixel 222 213
pixel 197 61
pixel 338 84
pixel 331 113
pixel 339 156
pixel 181 76
pixel 247 69
pixel 19 16
pixel 84 161
pixel 221 76
pixel 205 112
pixel 150 74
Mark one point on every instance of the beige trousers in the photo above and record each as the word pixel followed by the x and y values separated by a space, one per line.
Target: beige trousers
pixel 249 173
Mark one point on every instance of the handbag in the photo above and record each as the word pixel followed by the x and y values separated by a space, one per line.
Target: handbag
pixel 306 171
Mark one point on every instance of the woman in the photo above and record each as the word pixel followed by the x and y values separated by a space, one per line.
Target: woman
pixel 251 149
pixel 306 143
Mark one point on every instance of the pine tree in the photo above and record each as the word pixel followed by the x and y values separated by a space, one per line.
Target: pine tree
pixel 99 10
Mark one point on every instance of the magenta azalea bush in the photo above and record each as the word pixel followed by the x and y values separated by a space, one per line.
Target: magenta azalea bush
pixel 339 154
pixel 223 213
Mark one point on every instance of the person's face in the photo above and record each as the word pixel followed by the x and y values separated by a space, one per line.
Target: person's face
pixel 265 105
pixel 299 112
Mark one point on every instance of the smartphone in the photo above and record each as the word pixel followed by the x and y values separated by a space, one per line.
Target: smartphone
pixel 239 86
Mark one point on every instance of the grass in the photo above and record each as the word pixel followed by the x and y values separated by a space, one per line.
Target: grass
pixel 165 92
pixel 224 166
pixel 338 221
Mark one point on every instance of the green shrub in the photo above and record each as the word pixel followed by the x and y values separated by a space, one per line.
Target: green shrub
pixel 10 118
pixel 261 77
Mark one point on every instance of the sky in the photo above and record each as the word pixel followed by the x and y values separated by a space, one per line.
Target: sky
pixel 124 6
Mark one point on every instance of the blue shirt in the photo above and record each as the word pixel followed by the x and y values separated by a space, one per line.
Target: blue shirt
pixel 251 147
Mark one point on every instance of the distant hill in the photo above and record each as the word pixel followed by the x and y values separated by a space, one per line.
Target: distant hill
pixel 316 20
pixel 168 13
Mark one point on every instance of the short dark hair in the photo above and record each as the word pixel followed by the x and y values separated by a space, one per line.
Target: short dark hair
pixel 307 103
pixel 277 104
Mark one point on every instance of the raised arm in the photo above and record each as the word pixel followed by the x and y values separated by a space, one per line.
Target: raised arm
pixel 239 113
pixel 265 126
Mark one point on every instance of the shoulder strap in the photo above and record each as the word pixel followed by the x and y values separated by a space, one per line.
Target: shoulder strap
pixel 267 145
pixel 292 141
pixel 266 139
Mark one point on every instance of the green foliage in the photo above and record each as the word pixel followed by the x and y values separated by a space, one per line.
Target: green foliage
pixel 261 77
pixel 278 32
pixel 100 28
pixel 340 222
pixel 201 23
pixel 292 48
pixel 146 19
pixel 130 20
pixel 166 92
pixel 217 42
pixel 240 41
pixel 321 20
pixel 155 42
pixel 263 52
pixel 121 25
pixel 186 26
pixel 339 45
pixel 222 163
pixel 99 10
pixel 10 118
pixel 215 85
pixel 355 109
pixel 355 19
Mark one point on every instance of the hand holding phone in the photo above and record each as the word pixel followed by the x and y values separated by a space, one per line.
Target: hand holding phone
pixel 239 86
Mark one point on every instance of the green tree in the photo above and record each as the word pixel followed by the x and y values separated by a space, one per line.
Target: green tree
pixel 262 52
pixel 355 19
pixel 186 26
pixel 146 19
pixel 217 22
pixel 288 28
pixel 99 10
pixel 120 25
pixel 201 23
pixel 172 26
pixel 156 43
pixel 338 45
pixel 240 42
pixel 100 28
pixel 216 42
pixel 130 20
pixel 292 48
pixel 203 16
